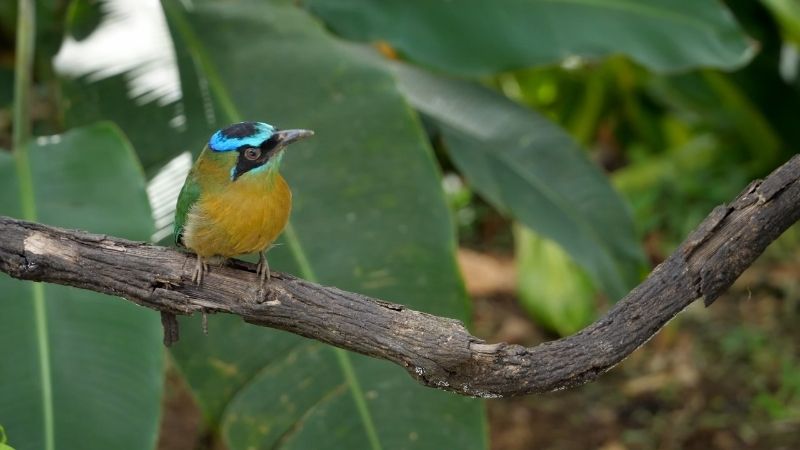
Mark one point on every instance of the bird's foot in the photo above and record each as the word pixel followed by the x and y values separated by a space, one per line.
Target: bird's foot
pixel 200 270
pixel 262 270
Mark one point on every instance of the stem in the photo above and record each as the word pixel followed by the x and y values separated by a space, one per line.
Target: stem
pixel 26 30
pixel 43 347
pixel 20 139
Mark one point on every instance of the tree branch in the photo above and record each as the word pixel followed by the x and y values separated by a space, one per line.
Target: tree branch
pixel 438 352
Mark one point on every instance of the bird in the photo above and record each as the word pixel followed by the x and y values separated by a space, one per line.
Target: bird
pixel 234 200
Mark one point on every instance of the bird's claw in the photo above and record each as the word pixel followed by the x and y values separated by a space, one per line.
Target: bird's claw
pixel 200 270
pixel 262 270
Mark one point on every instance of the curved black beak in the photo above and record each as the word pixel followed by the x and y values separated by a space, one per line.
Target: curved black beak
pixel 286 137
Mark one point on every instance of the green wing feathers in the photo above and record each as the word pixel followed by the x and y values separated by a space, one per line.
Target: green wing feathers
pixel 186 199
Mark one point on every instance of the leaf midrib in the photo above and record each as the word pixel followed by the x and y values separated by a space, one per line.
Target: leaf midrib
pixel 232 113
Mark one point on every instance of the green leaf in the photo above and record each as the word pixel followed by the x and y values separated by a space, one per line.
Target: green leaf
pixel 475 37
pixel 528 167
pixel 552 288
pixel 369 216
pixel 79 370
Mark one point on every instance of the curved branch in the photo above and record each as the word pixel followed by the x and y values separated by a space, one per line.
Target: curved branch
pixel 438 352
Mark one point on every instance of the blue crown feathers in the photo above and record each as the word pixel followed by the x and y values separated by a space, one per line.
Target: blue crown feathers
pixel 243 133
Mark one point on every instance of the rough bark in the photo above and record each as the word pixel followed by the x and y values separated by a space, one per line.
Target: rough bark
pixel 437 351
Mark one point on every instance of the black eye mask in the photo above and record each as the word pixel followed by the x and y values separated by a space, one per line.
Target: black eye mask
pixel 246 160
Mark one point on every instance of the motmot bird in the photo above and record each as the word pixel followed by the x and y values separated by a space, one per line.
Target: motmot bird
pixel 234 200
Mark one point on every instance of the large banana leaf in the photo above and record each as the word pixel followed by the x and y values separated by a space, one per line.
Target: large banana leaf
pixel 524 164
pixel 79 370
pixel 479 37
pixel 103 76
pixel 369 216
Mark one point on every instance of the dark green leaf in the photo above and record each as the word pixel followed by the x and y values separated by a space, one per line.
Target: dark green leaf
pixel 476 37
pixel 88 365
pixel 369 216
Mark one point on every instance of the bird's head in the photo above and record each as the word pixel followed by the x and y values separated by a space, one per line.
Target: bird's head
pixel 252 147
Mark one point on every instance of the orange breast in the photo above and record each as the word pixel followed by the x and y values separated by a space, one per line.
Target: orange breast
pixel 245 217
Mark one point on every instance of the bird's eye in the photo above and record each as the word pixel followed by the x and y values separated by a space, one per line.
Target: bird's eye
pixel 252 153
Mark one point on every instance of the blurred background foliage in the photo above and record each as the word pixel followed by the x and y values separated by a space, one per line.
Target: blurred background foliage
pixel 557 150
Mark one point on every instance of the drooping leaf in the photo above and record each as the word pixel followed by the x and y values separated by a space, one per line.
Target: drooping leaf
pixel 368 216
pixel 79 369
pixel 476 37
pixel 528 167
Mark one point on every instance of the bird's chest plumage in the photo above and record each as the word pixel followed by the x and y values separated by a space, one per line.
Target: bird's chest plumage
pixel 244 217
